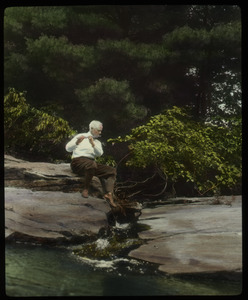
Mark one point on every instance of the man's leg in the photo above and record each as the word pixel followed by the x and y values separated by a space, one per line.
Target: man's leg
pixel 107 175
pixel 87 180
pixel 84 167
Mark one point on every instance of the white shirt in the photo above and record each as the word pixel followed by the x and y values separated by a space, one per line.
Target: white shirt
pixel 84 148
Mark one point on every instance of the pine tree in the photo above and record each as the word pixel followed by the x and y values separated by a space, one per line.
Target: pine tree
pixel 136 60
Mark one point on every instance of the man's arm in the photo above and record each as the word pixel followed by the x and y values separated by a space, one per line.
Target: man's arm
pixel 97 146
pixel 72 145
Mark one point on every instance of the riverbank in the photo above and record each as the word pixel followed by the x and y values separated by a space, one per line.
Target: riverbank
pixel 182 236
pixel 52 217
pixel 190 238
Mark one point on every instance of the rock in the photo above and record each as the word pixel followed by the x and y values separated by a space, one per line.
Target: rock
pixel 186 236
pixel 52 217
pixel 193 238
pixel 49 208
pixel 44 176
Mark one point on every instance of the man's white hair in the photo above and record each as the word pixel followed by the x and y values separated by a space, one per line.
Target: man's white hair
pixel 95 125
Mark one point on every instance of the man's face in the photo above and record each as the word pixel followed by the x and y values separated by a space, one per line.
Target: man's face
pixel 96 132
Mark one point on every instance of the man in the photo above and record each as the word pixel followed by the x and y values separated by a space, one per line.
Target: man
pixel 85 147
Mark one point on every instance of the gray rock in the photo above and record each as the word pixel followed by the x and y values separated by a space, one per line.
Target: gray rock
pixel 45 176
pixel 193 238
pixel 51 216
pixel 47 206
pixel 189 235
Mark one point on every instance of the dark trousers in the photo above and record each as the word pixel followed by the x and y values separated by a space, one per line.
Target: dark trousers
pixel 87 167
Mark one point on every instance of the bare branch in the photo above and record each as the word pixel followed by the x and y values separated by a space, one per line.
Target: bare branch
pixel 159 194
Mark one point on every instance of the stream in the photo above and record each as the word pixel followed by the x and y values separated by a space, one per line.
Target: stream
pixel 32 270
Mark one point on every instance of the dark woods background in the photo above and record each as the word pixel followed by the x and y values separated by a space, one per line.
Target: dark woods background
pixel 122 65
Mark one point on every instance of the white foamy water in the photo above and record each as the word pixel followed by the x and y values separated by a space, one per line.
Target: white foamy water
pixel 107 264
pixel 101 244
pixel 122 226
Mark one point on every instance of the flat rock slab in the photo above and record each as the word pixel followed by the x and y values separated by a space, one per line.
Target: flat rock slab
pixel 17 169
pixel 193 238
pixel 51 216
pixel 44 176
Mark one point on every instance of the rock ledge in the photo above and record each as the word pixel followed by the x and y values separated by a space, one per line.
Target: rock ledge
pixel 52 217
pixel 193 238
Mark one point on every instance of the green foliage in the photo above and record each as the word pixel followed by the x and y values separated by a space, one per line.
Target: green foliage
pixel 52 53
pixel 114 101
pixel 141 51
pixel 209 53
pixel 29 130
pixel 207 155
pixel 106 160
pixel 34 18
pixel 121 64
pixel 187 40
pixel 154 56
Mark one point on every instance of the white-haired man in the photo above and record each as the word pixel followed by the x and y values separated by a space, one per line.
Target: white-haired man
pixel 85 147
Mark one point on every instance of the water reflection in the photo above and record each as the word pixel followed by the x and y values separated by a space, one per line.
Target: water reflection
pixel 43 271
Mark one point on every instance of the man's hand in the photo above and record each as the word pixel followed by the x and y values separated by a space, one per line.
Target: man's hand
pixel 91 141
pixel 79 140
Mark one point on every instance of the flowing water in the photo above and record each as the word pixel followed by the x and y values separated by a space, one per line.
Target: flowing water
pixel 44 271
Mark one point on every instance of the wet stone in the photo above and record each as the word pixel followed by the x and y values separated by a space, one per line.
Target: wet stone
pixel 193 238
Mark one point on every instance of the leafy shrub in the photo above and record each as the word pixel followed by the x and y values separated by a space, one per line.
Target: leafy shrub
pixel 208 156
pixel 106 160
pixel 31 131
